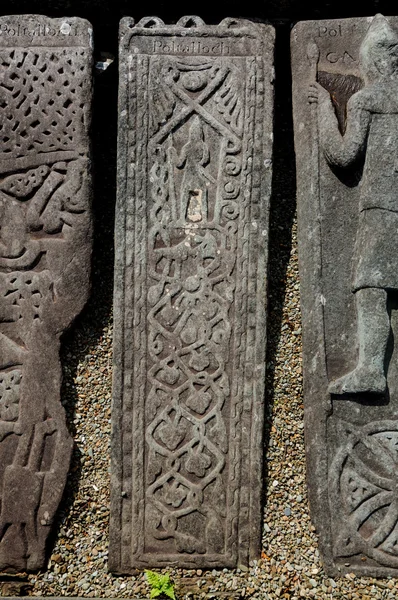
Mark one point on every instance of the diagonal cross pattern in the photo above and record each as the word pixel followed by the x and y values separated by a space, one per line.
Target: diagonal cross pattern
pixel 197 106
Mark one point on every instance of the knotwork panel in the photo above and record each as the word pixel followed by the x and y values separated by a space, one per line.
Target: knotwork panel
pixel 194 139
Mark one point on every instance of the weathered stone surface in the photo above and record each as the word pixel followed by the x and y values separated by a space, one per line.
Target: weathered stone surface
pixel 195 143
pixel 45 248
pixel 346 114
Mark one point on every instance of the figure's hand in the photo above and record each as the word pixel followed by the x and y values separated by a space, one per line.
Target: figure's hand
pixel 317 94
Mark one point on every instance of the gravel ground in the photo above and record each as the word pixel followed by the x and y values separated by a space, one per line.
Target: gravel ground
pixel 290 565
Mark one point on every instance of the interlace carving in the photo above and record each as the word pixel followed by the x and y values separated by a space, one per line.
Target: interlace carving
pixel 363 480
pixel 41 100
pixel 45 239
pixel 194 139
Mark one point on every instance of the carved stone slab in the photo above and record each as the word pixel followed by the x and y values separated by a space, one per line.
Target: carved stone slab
pixel 45 247
pixel 345 95
pixel 195 142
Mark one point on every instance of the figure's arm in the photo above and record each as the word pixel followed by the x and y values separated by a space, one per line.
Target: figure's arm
pixel 340 150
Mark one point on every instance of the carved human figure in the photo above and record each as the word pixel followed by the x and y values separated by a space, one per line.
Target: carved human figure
pixel 371 135
pixel 45 250
pixel 39 275
pixel 194 157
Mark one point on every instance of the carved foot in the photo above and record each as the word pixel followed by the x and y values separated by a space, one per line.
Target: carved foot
pixel 360 381
pixel 13 549
pixel 35 561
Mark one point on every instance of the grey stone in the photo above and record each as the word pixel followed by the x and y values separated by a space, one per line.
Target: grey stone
pixel 345 94
pixel 45 250
pixel 195 134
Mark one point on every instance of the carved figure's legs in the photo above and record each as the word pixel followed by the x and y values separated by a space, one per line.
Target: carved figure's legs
pixel 34 481
pixel 373 331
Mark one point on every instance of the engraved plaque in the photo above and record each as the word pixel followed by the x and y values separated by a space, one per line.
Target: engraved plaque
pixel 45 248
pixel 345 95
pixel 195 142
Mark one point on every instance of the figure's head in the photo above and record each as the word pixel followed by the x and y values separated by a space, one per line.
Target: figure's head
pixel 379 51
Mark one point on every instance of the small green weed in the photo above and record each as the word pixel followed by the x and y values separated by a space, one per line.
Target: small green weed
pixel 160 584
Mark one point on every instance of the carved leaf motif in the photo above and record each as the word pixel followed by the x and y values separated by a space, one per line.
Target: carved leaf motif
pixel 169 375
pixel 197 463
pixel 170 316
pixel 174 494
pixel 199 402
pixel 199 360
pixel 189 334
pixel 187 543
pixel 171 434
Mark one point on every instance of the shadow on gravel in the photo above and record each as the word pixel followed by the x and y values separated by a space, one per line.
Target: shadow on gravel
pixel 88 328
pixel 283 207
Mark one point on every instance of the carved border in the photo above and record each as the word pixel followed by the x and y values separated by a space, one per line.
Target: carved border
pixel 247 399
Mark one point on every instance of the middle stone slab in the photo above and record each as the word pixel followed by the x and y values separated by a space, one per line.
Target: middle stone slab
pixel 194 164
